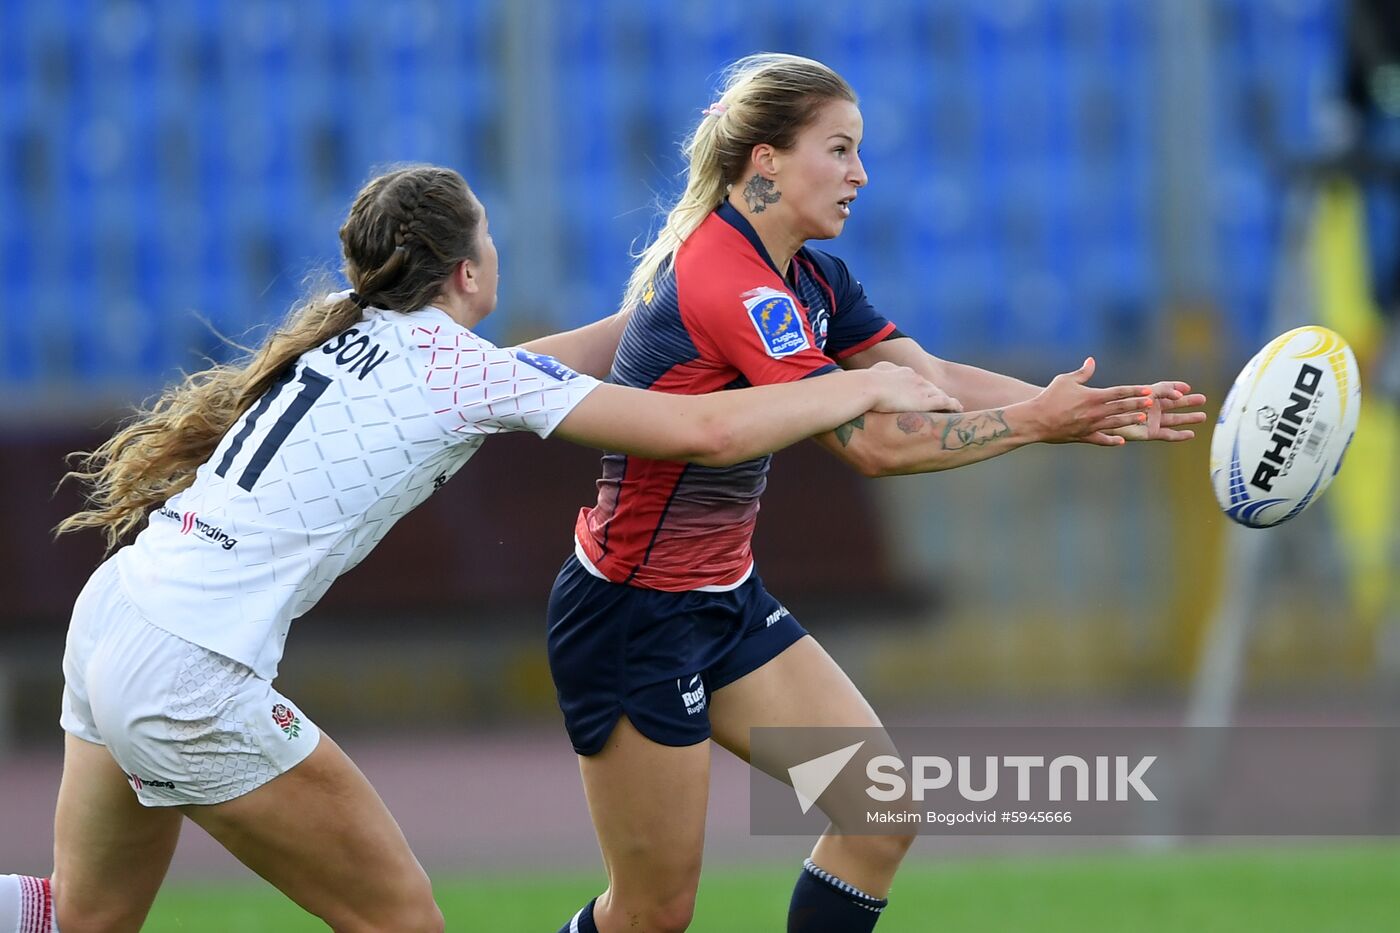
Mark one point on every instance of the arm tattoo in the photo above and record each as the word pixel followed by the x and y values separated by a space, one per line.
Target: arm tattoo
pixel 974 430
pixel 844 432
pixel 912 422
pixel 761 192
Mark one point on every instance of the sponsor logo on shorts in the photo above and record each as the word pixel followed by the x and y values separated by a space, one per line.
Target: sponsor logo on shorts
pixel 287 720
pixel 692 694
pixel 775 615
pixel 774 316
pixel 138 782
pixel 190 522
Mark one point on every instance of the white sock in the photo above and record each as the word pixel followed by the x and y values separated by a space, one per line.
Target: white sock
pixel 26 905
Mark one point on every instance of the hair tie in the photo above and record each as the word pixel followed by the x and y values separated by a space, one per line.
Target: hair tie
pixel 358 300
pixel 716 109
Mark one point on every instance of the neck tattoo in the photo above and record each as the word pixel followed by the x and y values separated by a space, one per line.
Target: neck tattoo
pixel 760 192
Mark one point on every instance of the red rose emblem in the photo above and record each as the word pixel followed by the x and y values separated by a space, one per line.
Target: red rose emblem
pixel 283 716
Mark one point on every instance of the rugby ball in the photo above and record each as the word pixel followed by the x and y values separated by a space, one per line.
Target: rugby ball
pixel 1285 427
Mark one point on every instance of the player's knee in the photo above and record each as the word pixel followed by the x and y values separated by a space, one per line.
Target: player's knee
pixel 651 910
pixel 886 852
pixel 416 918
pixel 669 915
pixel 413 911
pixel 417 911
pixel 891 850
pixel 425 917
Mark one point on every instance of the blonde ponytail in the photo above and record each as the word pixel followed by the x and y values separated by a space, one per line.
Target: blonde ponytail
pixel 765 98
pixel 705 188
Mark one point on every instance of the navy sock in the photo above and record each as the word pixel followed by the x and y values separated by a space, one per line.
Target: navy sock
pixel 582 922
pixel 823 903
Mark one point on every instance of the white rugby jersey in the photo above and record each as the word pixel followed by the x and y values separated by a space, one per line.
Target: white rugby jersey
pixel 355 434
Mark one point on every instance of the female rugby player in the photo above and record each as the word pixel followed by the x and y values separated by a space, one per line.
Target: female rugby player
pixel 661 634
pixel 261 482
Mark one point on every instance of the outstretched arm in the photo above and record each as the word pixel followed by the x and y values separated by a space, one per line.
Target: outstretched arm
pixel 975 388
pixel 982 389
pixel 887 445
pixel 588 349
pixel 728 427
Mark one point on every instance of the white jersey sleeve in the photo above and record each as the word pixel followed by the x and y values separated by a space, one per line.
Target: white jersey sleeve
pixel 484 389
pixel 351 437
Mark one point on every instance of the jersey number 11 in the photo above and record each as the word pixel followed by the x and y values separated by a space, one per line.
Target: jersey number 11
pixel 313 385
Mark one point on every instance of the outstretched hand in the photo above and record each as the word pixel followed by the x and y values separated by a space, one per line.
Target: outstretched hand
pixel 1070 411
pixel 1165 419
pixel 902 389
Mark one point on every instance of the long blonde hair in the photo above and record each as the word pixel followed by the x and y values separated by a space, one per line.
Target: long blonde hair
pixel 764 98
pixel 406 232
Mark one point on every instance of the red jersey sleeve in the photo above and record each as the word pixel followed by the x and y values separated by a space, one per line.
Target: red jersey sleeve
pixel 761 332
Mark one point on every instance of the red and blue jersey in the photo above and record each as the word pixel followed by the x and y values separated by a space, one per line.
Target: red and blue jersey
pixel 719 316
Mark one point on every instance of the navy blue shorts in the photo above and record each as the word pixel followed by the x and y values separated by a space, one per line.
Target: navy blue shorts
pixel 654 655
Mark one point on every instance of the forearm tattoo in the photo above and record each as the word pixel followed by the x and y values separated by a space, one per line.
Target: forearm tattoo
pixel 956 431
pixel 844 432
pixel 761 192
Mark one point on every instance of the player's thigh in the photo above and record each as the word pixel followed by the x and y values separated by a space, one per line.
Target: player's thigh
pixel 800 689
pixel 802 686
pixel 110 852
pixel 648 805
pixel 321 834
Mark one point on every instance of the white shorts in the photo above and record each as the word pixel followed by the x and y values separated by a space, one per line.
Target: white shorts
pixel 188 726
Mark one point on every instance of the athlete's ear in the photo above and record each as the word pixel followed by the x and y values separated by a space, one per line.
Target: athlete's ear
pixel 466 278
pixel 764 159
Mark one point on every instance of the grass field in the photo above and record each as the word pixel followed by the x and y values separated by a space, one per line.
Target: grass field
pixel 1353 888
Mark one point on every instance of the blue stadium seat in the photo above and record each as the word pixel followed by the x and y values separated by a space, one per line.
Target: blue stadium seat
pixel 161 160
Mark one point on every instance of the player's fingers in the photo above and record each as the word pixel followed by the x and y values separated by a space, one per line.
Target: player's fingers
pixel 1120 421
pixel 1132 403
pixel 1177 418
pixel 1166 390
pixel 1103 440
pixel 1117 392
pixel 1185 401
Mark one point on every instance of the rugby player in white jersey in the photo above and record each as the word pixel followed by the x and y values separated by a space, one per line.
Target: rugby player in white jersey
pixel 262 481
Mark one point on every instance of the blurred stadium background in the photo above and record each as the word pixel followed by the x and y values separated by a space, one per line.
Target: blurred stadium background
pixel 1161 183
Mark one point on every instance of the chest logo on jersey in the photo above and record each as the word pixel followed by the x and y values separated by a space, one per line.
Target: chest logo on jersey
pixel 356 352
pixel 775 317
pixel 191 523
pixel 546 364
